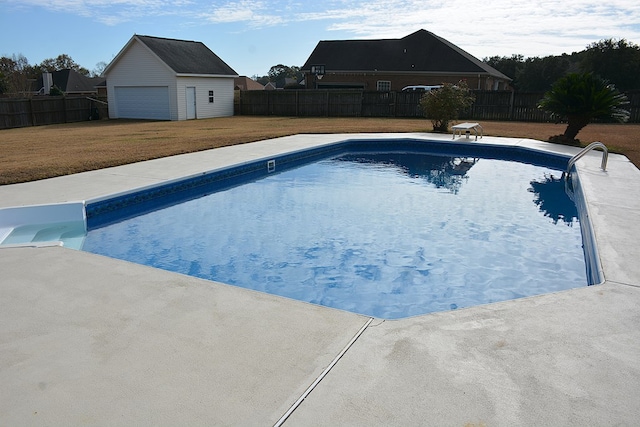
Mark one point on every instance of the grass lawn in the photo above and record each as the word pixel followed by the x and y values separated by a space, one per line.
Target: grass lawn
pixel 46 151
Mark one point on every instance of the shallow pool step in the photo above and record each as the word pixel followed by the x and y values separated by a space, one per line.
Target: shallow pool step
pixel 42 223
pixel 70 233
pixel 4 233
pixel 22 234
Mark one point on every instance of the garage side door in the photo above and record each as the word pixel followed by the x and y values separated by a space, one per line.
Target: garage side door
pixel 142 102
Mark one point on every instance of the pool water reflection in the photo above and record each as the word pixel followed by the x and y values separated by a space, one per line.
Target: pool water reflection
pixel 389 235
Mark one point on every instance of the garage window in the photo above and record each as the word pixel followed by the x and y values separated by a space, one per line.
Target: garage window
pixel 384 85
pixel 210 97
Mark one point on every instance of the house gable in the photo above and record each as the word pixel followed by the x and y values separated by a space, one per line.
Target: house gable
pixel 420 53
pixel 138 66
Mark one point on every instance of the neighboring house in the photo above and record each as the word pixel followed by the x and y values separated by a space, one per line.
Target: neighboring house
pixel 68 81
pixel 102 88
pixel 168 79
pixel 289 83
pixel 421 58
pixel 245 83
pixel 284 83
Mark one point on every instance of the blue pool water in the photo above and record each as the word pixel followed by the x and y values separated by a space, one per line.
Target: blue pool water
pixel 389 235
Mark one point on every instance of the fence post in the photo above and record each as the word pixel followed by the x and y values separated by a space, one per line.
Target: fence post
pixel 392 105
pixel 327 104
pixel 32 113
pixel 511 100
pixel 64 109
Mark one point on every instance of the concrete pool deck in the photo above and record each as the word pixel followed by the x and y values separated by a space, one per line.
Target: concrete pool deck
pixel 89 340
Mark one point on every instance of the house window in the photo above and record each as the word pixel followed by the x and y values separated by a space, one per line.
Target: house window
pixel 210 97
pixel 384 85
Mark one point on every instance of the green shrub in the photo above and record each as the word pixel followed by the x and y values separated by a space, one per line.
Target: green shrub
pixel 443 105
pixel 55 91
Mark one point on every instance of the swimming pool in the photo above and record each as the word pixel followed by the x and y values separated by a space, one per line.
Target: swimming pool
pixel 441 256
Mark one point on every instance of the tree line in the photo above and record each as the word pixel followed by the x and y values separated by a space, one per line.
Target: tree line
pixel 283 76
pixel 617 61
pixel 17 75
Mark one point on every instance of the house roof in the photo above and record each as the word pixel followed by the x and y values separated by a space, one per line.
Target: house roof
pixel 71 81
pixel 421 51
pixel 245 83
pixel 183 56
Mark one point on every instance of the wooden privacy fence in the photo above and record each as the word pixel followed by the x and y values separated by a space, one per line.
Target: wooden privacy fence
pixel 48 110
pixel 327 103
pixel 488 105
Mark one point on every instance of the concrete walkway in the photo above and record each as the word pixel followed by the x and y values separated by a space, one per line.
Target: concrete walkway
pixel 89 340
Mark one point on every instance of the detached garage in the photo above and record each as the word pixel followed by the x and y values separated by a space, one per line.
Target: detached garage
pixel 166 79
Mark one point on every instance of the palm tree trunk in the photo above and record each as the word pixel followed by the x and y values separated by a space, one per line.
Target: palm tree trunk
pixel 574 125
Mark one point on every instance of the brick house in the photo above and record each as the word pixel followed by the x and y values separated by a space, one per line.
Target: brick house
pixel 421 58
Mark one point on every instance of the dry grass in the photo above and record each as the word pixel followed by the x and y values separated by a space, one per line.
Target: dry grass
pixel 46 151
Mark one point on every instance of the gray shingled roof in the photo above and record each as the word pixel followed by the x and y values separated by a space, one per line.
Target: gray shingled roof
pixel 245 83
pixel 70 81
pixel 421 51
pixel 187 57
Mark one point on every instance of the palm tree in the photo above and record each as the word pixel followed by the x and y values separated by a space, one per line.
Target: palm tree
pixel 580 98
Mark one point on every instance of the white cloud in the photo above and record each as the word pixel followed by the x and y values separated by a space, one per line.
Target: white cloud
pixel 253 13
pixel 110 12
pixel 529 27
pixel 533 28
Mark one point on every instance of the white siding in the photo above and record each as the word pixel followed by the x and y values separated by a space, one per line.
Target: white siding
pixel 138 67
pixel 222 88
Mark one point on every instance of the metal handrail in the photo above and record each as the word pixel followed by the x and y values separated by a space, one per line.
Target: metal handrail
pixel 585 150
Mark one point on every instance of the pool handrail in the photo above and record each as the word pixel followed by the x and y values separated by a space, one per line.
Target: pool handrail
pixel 585 150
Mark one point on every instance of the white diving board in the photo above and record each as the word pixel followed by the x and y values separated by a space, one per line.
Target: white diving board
pixel 467 128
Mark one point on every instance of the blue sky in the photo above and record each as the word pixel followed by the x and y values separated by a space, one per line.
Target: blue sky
pixel 253 35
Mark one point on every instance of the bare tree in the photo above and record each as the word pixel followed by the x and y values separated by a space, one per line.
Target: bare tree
pixel 62 62
pixel 16 75
pixel 99 69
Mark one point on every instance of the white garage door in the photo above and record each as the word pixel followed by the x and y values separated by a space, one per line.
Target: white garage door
pixel 142 102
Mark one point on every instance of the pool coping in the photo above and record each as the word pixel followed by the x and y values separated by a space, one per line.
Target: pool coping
pixel 105 211
pixel 505 363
